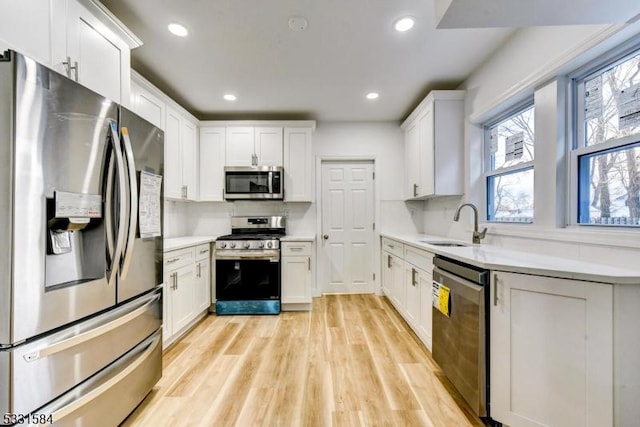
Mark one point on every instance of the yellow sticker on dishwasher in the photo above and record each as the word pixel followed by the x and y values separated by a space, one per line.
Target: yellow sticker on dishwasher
pixel 441 298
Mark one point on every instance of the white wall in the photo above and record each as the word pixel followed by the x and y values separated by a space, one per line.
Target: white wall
pixel 380 140
pixel 531 63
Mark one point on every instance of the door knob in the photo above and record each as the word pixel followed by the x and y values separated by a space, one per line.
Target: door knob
pixel 325 236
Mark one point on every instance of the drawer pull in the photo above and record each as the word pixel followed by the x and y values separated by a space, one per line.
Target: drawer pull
pixel 309 263
pixel 388 261
pixel 203 251
pixel 171 261
pixel 298 248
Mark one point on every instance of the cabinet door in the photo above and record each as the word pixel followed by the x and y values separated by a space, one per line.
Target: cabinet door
pixel 167 329
pixel 551 351
pixel 183 311
pixel 412 160
pixel 189 146
pixel 240 148
pixel 296 279
pixel 103 59
pixel 147 105
pixel 268 146
pixel 425 282
pixel 298 165
pixel 211 163
pixel 427 153
pixel 172 156
pixel 202 286
pixel 412 289
pixel 26 28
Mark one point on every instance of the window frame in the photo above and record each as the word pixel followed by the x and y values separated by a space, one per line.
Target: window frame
pixel 488 164
pixel 577 143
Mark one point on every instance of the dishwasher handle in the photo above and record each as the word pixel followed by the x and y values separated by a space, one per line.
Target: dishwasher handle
pixel 459 286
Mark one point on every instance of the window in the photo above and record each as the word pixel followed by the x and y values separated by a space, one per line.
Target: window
pixel 509 154
pixel 606 152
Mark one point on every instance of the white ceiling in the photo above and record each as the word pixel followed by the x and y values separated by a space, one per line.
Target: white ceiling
pixel 350 48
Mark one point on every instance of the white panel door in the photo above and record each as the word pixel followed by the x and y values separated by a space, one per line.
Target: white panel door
pixel 347 227
pixel 268 146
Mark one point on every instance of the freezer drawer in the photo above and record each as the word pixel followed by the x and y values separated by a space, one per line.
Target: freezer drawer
pixel 37 372
pixel 109 397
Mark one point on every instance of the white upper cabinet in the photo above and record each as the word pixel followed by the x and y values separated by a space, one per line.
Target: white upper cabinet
pixel 298 165
pixel 211 163
pixel 88 47
pixel 146 104
pixel 180 152
pixel 434 146
pixel 240 150
pixel 268 145
pixel 78 38
pixel 254 146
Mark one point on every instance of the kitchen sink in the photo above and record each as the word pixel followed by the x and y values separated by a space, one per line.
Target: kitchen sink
pixel 441 243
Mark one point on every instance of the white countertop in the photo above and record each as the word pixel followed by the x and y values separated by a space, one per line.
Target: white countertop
pixel 500 259
pixel 298 238
pixel 174 243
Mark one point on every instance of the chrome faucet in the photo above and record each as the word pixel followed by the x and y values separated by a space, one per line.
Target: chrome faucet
pixel 477 235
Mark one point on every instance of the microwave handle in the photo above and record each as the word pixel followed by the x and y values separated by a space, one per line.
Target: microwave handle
pixel 270 182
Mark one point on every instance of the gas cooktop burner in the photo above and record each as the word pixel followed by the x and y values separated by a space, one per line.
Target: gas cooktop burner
pixel 253 233
pixel 250 237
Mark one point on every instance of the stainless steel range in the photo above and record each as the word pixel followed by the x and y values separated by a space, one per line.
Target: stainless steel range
pixel 248 266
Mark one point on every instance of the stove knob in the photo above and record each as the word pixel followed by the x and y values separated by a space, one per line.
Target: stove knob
pixel 223 245
pixel 247 245
pixel 261 245
pixel 232 245
pixel 269 244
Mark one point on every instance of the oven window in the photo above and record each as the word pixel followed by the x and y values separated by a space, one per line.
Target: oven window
pixel 245 183
pixel 241 280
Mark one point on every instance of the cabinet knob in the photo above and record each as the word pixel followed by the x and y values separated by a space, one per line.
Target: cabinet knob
pixel 325 236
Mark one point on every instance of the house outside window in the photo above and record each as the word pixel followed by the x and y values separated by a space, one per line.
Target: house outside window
pixel 509 154
pixel 606 149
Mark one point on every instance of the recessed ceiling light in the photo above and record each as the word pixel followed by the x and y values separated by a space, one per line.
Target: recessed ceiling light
pixel 404 24
pixel 230 97
pixel 373 95
pixel 178 30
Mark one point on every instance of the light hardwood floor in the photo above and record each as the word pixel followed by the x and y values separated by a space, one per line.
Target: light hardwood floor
pixel 352 361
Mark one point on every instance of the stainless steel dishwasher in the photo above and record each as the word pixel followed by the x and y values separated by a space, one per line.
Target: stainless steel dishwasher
pixel 460 328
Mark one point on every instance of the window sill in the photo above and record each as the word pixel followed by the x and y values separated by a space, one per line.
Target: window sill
pixel 620 238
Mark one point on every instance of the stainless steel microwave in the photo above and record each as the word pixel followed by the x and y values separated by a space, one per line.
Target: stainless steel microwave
pixel 253 182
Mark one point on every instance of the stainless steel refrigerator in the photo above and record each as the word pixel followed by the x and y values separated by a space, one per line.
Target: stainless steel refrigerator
pixel 80 250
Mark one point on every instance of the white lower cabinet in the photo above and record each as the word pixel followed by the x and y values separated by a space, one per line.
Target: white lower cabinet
pixel 393 279
pixel 297 275
pixel 406 281
pixel 187 284
pixel 551 351
pixel 202 289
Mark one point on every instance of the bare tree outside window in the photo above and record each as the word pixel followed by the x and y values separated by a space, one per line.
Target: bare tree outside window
pixel 614 175
pixel 512 145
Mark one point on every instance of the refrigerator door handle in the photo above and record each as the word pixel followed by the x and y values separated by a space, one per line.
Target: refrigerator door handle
pixel 59 414
pixel 133 192
pixel 84 337
pixel 108 209
pixel 122 208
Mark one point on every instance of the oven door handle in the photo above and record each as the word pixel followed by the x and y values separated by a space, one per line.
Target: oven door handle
pixel 273 256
